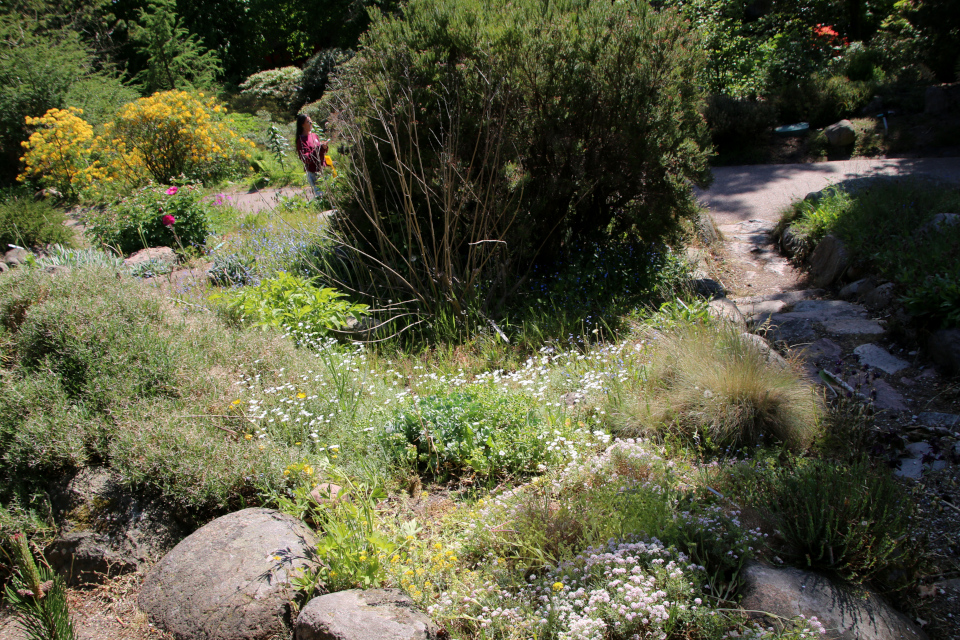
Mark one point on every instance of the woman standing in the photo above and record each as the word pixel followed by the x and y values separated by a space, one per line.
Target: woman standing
pixel 311 150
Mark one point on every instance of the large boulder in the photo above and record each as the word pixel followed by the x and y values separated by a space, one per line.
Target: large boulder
pixel 384 614
pixel 160 255
pixel 105 530
pixel 944 348
pixel 229 580
pixel 726 310
pixel 841 134
pixel 845 615
pixel 15 256
pixel 828 261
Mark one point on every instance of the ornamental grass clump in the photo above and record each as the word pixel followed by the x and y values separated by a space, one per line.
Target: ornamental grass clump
pixel 711 384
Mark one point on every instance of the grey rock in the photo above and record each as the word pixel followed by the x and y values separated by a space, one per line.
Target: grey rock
pixel 89 557
pixel 879 358
pixel 841 134
pixel 384 614
pixel 885 397
pixel 725 310
pixel 708 288
pixel 792 330
pixel 164 255
pixel 822 349
pixel 861 287
pixel 911 468
pixel 933 419
pixel 913 463
pixel 845 614
pixel 828 261
pixel 230 579
pixel 944 348
pixel 56 269
pixel 3 267
pixel 836 317
pixel 880 297
pixel 939 221
pixel 764 348
pixel 15 257
pixel 790 242
pixel 106 532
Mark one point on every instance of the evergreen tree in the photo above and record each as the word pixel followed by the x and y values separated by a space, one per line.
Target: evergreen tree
pixel 175 57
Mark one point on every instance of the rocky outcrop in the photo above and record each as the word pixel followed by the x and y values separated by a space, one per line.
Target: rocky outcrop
pixel 384 614
pixel 828 261
pixel 841 134
pixel 845 615
pixel 229 580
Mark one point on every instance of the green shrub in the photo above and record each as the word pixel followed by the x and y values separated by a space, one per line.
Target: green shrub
pixel 30 223
pixel 738 122
pixel 716 387
pixel 294 304
pixel 478 158
pixel 883 228
pixel 280 85
pixel 38 595
pixel 850 520
pixel 137 221
pixel 97 372
pixel 482 433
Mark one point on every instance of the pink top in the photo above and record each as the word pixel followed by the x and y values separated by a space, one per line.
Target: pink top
pixel 311 151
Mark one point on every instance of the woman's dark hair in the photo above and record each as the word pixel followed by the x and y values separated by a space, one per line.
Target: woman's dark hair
pixel 300 120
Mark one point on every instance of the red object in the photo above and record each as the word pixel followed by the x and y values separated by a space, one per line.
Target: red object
pixel 171 191
pixel 168 220
pixel 311 151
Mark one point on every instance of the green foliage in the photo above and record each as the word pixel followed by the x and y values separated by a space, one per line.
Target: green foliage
pixel 281 86
pixel 317 71
pixel 296 305
pixel 884 229
pixel 278 144
pixel 737 122
pixel 175 57
pixel 96 373
pixel 501 177
pixel 137 221
pixel 851 520
pixel 27 222
pixel 99 96
pixel 58 256
pixel 483 433
pixel 352 547
pixel 230 269
pixel 37 70
pixel 42 614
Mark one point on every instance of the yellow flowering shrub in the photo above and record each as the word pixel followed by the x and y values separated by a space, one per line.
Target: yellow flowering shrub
pixel 173 133
pixel 59 152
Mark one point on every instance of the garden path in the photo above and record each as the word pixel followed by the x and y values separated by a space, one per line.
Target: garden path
pixel 918 411
pixel 746 203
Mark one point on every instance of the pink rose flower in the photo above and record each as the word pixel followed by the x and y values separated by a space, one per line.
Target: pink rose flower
pixel 168 220
pixel 172 191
